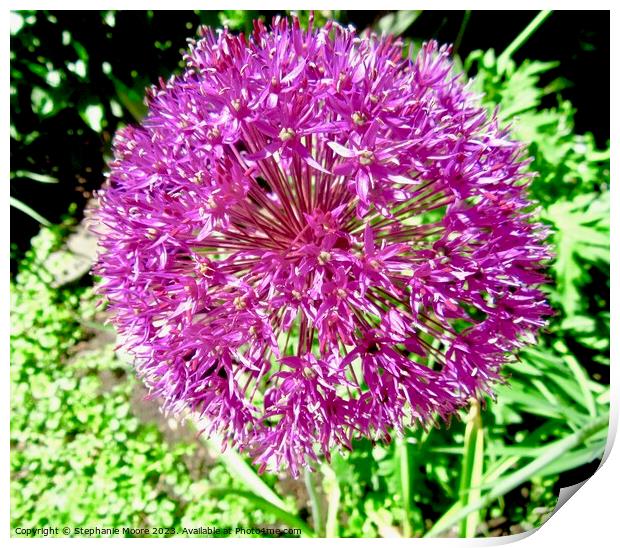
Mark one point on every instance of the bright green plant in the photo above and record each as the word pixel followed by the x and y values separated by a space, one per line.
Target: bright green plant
pixel 82 455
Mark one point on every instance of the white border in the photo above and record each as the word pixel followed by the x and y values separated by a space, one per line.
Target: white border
pixel 589 517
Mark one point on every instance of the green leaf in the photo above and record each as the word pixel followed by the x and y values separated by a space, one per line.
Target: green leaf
pixel 42 102
pixel 38 177
pixel 315 502
pixel 579 375
pixel 331 486
pixel 286 517
pixel 93 115
pixel 582 233
pixel 501 486
pixel 130 99
pixel 471 469
pixel 241 470
pixel 18 204
pixel 397 22
pixel 575 459
pixel 405 484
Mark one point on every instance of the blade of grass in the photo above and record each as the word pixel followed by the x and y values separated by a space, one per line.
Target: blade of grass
pixel 523 37
pixel 332 489
pixel 18 204
pixel 542 388
pixel 497 489
pixel 499 467
pixel 532 403
pixel 569 385
pixel 517 395
pixel 580 377
pixel 471 472
pixel 490 477
pixel 576 458
pixel 241 470
pixel 38 177
pixel 285 517
pixel 461 33
pixel 315 503
pixel 405 485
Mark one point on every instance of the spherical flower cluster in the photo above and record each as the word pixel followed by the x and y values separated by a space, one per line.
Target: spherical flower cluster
pixel 313 237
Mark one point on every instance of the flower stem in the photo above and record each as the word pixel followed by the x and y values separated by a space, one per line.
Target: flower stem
pixel 524 36
pixel 405 485
pixel 471 472
pixel 315 503
pixel 459 36
pixel 331 486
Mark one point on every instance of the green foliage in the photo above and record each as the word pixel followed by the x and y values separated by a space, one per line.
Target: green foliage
pixel 567 164
pixel 85 452
pixel 581 243
pixel 74 82
pixel 82 455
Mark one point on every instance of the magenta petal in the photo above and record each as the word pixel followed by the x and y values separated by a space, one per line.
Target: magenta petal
pixel 311 239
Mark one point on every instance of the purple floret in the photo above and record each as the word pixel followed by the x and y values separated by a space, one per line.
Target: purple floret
pixel 312 238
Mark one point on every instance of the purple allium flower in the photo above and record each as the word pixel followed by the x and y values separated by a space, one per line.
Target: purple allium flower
pixel 312 238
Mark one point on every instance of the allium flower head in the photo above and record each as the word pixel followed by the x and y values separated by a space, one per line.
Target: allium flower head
pixel 313 238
